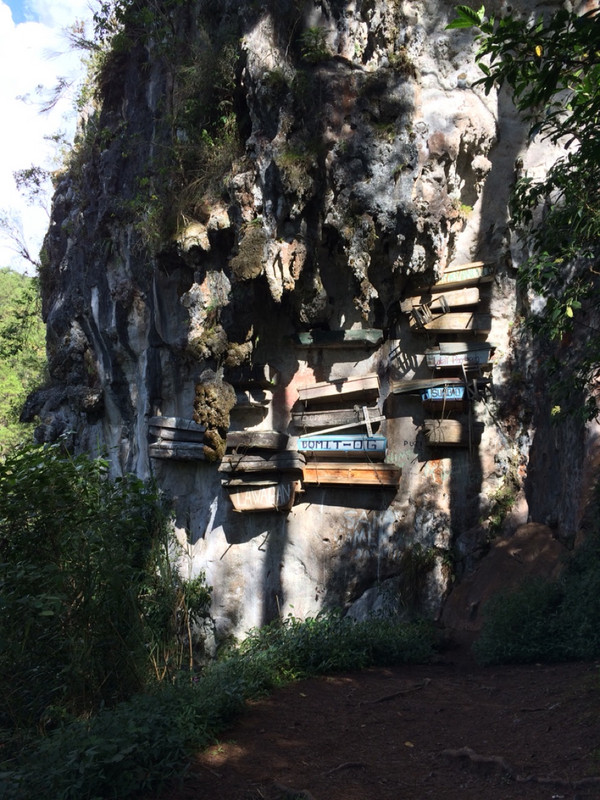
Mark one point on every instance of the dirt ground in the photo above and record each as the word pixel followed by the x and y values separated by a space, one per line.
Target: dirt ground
pixel 445 731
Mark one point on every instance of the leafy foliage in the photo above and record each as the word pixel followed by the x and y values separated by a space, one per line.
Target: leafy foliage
pixel 22 352
pixel 552 68
pixel 143 742
pixel 549 620
pixel 91 609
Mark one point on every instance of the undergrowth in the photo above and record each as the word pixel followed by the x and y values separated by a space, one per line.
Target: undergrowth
pixel 143 743
pixel 549 620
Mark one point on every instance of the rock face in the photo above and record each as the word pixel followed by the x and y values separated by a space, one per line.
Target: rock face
pixel 256 171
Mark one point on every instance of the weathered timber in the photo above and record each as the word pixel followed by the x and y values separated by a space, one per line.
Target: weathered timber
pixel 257 440
pixel 287 461
pixel 309 420
pixel 351 474
pixel 457 322
pixel 349 445
pixel 479 355
pixel 416 385
pixel 452 432
pixel 366 387
pixel 260 495
pixel 362 337
pixel 455 298
pixel 177 451
pixel 175 423
pixel 261 376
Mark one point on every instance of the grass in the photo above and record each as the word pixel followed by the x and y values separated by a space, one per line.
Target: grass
pixel 144 742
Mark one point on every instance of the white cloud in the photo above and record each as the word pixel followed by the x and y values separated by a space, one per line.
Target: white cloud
pixel 33 54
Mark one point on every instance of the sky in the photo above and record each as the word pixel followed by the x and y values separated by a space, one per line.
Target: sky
pixel 34 52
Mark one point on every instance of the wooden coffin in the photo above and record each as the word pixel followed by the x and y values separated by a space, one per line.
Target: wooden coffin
pixel 175 429
pixel 454 298
pixel 469 354
pixel 343 445
pixel 177 451
pixel 252 398
pixel 257 440
pixel 470 274
pixel 351 474
pixel 288 461
pixel 351 416
pixel 417 385
pixel 366 387
pixel 445 398
pixel 262 495
pixel 456 322
pixel 452 432
pixel 261 376
pixel 362 337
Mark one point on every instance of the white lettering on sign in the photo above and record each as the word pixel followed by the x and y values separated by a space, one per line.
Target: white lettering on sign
pixel 347 444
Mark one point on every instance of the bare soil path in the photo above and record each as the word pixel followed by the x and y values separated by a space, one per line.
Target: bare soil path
pixel 444 731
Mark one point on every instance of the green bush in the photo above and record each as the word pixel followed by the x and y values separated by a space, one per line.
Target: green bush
pixel 548 620
pixel 90 605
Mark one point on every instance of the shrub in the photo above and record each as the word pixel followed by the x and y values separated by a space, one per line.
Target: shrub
pixel 549 620
pixel 90 605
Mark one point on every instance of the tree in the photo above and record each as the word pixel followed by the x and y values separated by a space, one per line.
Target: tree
pixel 551 65
pixel 22 351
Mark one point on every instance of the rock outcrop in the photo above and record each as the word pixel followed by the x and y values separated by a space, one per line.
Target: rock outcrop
pixel 255 171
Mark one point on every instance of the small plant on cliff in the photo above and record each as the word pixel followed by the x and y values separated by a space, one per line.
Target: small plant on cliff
pixel 313 45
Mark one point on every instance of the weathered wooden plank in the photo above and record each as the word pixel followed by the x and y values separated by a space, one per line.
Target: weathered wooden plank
pixel 416 385
pixel 463 347
pixel 309 420
pixel 348 445
pixel 454 298
pixel 288 461
pixel 361 337
pixel 365 386
pixel 452 432
pixel 175 423
pixel 259 496
pixel 177 451
pixel 460 267
pixel 351 474
pixel 253 440
pixel 261 376
pixel 456 322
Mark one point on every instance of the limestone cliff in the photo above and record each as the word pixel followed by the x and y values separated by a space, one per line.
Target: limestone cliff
pixel 257 171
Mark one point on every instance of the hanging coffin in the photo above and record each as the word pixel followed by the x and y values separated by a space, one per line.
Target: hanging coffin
pixel 256 494
pixel 363 337
pixel 366 387
pixel 470 274
pixel 452 432
pixel 351 474
pixel 454 298
pixel 458 322
pixel 288 461
pixel 458 354
pixel 352 416
pixel 257 440
pixel 354 446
